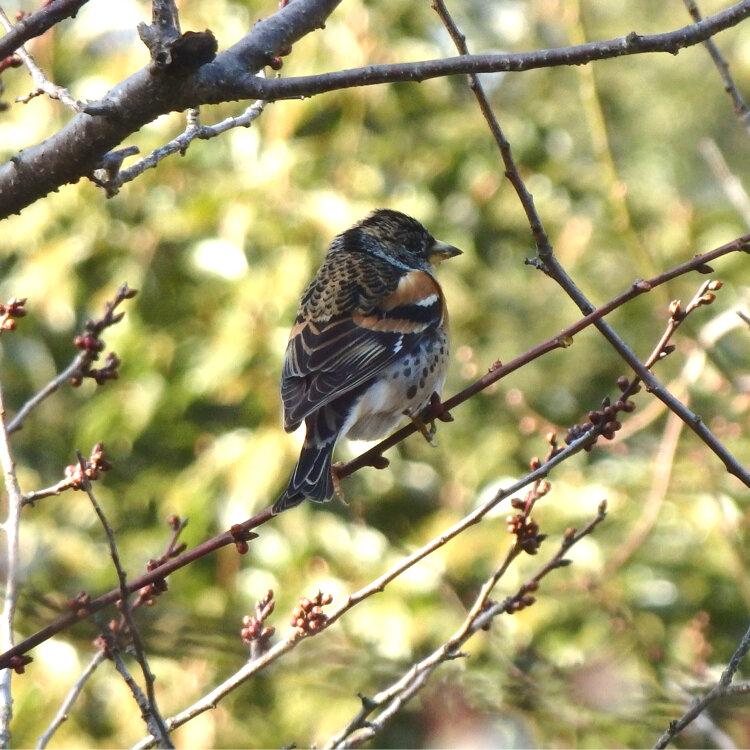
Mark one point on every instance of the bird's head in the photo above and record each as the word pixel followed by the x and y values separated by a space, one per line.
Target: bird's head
pixel 397 238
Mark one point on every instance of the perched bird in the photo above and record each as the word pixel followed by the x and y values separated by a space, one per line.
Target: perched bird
pixel 369 344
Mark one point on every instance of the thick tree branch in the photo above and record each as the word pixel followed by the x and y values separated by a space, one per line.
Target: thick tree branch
pixel 77 149
pixel 631 44
pixel 80 147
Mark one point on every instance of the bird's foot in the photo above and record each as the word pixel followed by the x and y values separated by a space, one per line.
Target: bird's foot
pixel 428 433
pixel 337 491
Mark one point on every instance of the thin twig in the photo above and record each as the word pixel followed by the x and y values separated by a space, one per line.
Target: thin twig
pixel 91 345
pixel 548 263
pixel 113 651
pixel 553 268
pixel 70 371
pixel 376 586
pixel 511 171
pixel 70 699
pixel 740 107
pixel 37 23
pixel 112 182
pixel 42 83
pixel 151 714
pixel 177 525
pixel 722 688
pixel 30 498
pixel 361 728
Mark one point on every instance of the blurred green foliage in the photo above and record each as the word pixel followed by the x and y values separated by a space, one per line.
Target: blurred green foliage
pixel 220 244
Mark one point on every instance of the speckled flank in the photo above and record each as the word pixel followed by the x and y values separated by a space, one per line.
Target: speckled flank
pixel 369 344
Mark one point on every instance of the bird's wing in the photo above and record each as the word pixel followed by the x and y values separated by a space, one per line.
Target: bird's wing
pixel 331 354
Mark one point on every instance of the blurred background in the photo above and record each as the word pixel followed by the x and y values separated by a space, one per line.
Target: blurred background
pixel 221 243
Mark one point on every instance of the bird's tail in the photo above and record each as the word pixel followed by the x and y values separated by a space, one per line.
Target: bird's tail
pixel 311 477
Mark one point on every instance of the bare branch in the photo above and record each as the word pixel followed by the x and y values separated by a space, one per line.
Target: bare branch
pixel 113 180
pixel 722 688
pixel 70 699
pixel 37 23
pixel 42 84
pixel 72 369
pixel 113 651
pixel 77 149
pixel 740 107
pixel 10 596
pixel 90 346
pixel 149 708
pixel 361 728
pixel 241 533
pixel 631 44
pixel 547 262
pixel 376 586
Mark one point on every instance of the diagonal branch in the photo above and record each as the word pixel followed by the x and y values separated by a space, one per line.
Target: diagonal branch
pixel 548 263
pixel 70 699
pixel 82 145
pixel 480 617
pixel 722 688
pixel 41 82
pixel 78 149
pixel 149 708
pixel 376 586
pixel 372 456
pixel 37 23
pixel 740 106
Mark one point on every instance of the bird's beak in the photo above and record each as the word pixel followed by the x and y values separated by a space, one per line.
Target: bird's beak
pixel 441 251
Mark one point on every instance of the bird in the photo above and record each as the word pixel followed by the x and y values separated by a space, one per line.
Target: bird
pixel 369 345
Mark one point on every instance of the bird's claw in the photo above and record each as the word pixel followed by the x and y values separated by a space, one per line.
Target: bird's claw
pixel 428 433
pixel 337 491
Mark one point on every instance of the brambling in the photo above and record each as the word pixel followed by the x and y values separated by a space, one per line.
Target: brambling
pixel 368 347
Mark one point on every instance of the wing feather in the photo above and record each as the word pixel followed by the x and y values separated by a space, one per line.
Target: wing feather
pixel 329 355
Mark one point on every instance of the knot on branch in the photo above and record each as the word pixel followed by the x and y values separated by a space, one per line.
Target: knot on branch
pixel 175 53
pixel 241 536
pixel 633 41
pixel 18 663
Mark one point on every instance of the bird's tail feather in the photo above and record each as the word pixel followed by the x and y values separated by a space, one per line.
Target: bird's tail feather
pixel 311 478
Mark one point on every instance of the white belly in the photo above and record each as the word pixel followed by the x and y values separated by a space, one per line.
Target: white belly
pixel 402 389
